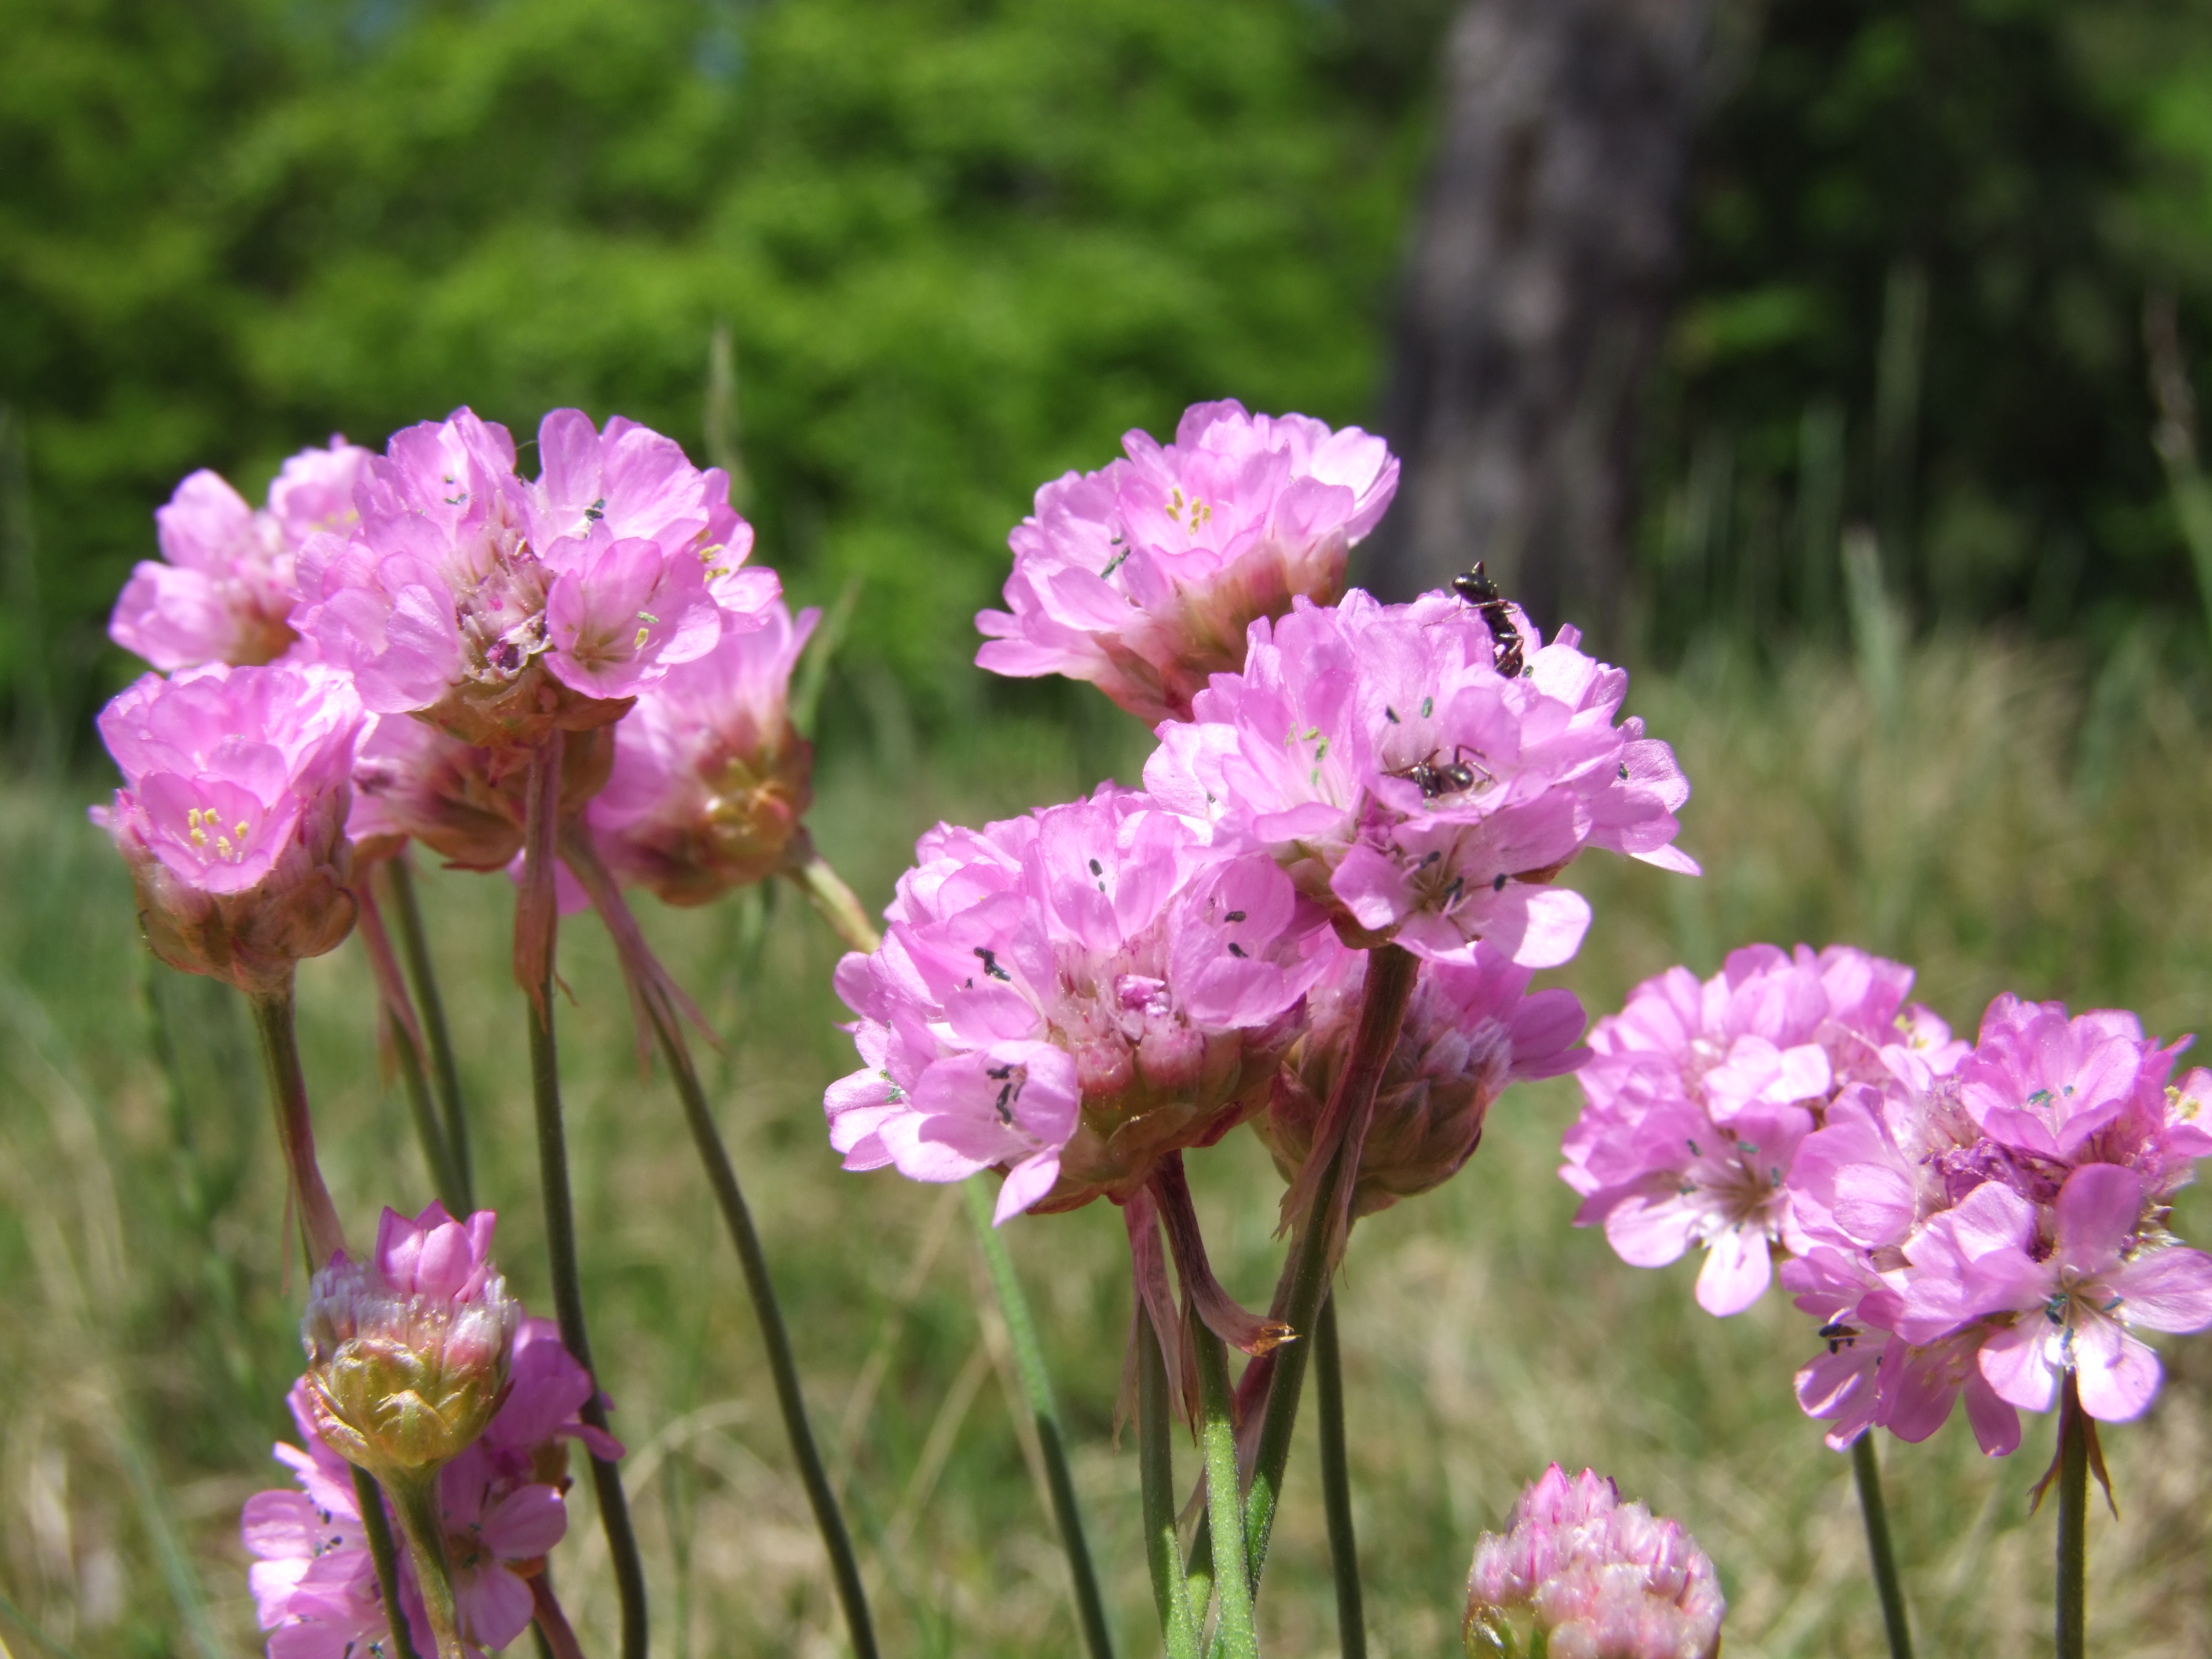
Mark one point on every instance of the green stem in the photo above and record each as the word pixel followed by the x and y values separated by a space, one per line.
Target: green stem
pixel 1156 1467
pixel 569 1307
pixel 1336 1485
pixel 1868 1472
pixel 1236 1633
pixel 430 1007
pixel 321 1235
pixel 2073 1524
pixel 1036 1383
pixel 437 1152
pixel 833 901
pixel 422 1520
pixel 378 1531
pixel 1390 975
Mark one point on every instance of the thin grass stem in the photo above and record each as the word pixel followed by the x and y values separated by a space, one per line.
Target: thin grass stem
pixel 430 1006
pixel 1336 1485
pixel 1868 1472
pixel 1236 1633
pixel 1036 1383
pixel 2073 1524
pixel 422 1519
pixel 1156 1467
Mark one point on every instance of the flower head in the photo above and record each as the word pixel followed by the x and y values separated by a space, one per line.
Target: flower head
pixel 464 802
pixel 500 609
pixel 1376 753
pixel 1143 577
pixel 1470 1030
pixel 233 813
pixel 1069 996
pixel 225 590
pixel 408 1353
pixel 1592 1577
pixel 710 778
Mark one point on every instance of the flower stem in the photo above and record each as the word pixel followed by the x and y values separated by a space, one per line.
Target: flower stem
pixel 1868 1475
pixel 2073 1523
pixel 321 1235
pixel 445 1069
pixel 826 891
pixel 1390 975
pixel 653 993
pixel 1237 1635
pixel 554 1632
pixel 1156 1465
pixel 404 1034
pixel 378 1531
pixel 1036 1383
pixel 1336 1485
pixel 422 1519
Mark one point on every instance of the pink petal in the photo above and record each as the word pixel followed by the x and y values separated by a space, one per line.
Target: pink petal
pixel 2166 1290
pixel 2098 1209
pixel 2118 1376
pixel 1738 1268
pixel 527 1521
pixel 2013 1362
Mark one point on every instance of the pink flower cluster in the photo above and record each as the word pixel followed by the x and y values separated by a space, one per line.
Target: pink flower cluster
pixel 1378 754
pixel 314 1585
pixel 1580 1575
pixel 1700 1094
pixel 1143 577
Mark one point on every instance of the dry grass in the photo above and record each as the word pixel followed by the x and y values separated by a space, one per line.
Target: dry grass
pixel 1990 830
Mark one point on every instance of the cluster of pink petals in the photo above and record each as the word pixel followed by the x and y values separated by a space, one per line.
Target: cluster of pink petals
pixel 233 812
pixel 226 588
pixel 1985 1234
pixel 1701 1093
pixel 1378 753
pixel 710 778
pixel 1595 1578
pixel 461 579
pixel 1143 577
pixel 1470 1030
pixel 314 1583
pixel 1068 996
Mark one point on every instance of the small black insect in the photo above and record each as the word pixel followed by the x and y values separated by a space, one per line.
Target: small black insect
pixel 1839 1336
pixel 1479 591
pixel 991 964
pixel 1433 780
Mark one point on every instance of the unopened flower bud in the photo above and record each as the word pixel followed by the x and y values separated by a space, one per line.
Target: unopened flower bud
pixel 1581 1575
pixel 408 1355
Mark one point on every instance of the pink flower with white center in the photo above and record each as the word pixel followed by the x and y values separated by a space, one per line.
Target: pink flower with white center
pixel 1592 1577
pixel 225 590
pixel 2105 1270
pixel 711 779
pixel 1142 578
pixel 1662 1177
pixel 1378 755
pixel 500 609
pixel 1470 1030
pixel 1069 997
pixel 232 816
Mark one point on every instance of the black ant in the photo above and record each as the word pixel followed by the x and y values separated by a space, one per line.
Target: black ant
pixel 1433 780
pixel 1479 591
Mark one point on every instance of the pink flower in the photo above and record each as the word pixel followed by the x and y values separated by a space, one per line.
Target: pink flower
pixel 1070 996
pixel 710 778
pixel 233 812
pixel 1379 755
pixel 1144 577
pixel 1594 1577
pixel 1470 1030
pixel 226 592
pixel 412 782
pixel 500 610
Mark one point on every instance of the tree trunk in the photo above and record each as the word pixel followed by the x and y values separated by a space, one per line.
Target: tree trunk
pixel 1535 298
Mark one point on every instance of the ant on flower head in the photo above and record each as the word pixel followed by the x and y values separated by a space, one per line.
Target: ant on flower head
pixel 1479 591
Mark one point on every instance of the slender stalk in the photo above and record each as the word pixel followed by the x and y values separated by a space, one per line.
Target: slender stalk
pixel 1036 1383
pixel 1390 975
pixel 445 1069
pixel 385 1557
pixel 1155 1466
pixel 1868 1472
pixel 1236 1634
pixel 656 998
pixel 437 1152
pixel 2073 1524
pixel 321 1235
pixel 421 1519
pixel 556 1636
pixel 833 901
pixel 405 1032
pixel 1336 1485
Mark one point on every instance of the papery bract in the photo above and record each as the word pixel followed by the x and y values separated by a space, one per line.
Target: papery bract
pixel 1143 577
pixel 233 813
pixel 1376 753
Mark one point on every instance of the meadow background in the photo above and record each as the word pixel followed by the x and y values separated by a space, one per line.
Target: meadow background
pixel 953 249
